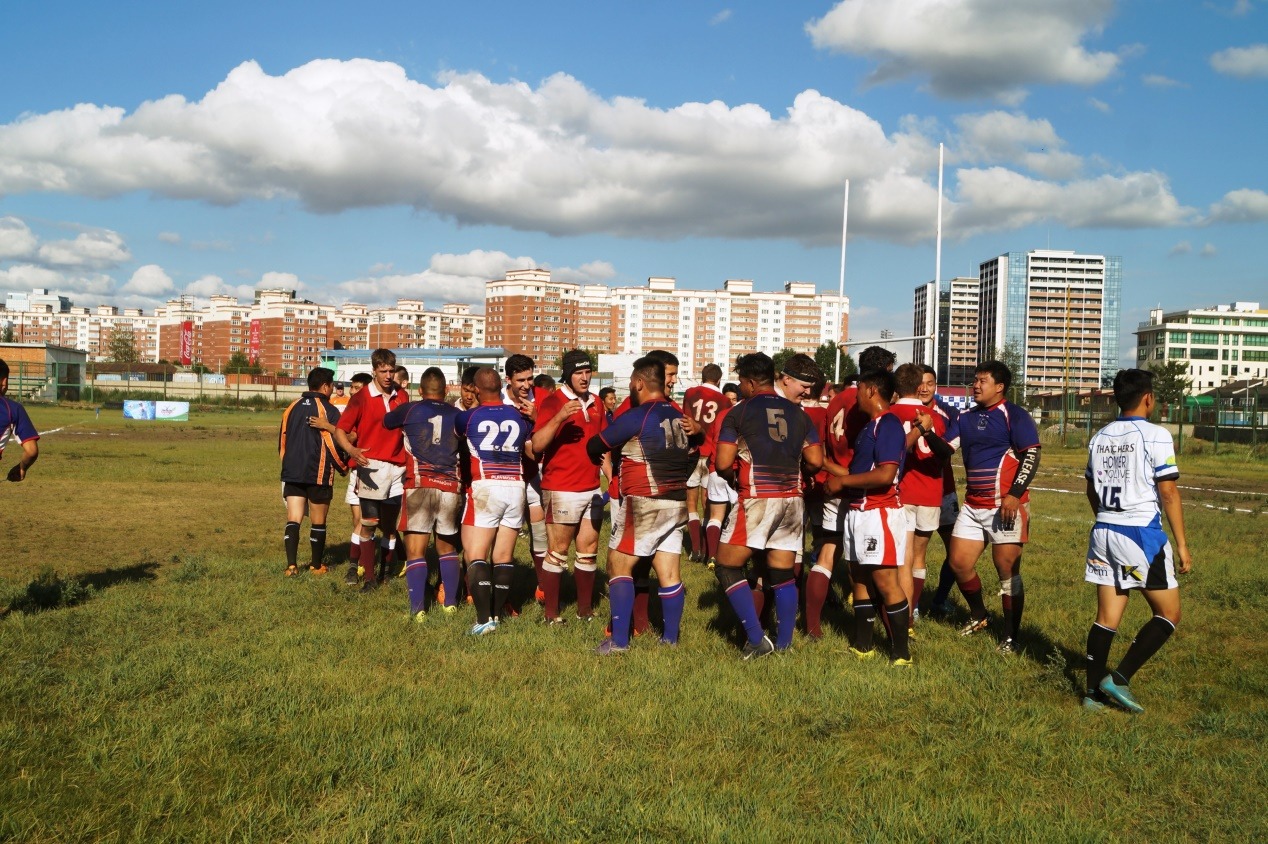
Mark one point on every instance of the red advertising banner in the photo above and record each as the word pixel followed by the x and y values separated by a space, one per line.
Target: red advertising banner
pixel 253 353
pixel 187 343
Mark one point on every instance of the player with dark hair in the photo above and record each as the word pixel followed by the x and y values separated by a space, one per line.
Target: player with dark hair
pixel 764 442
pixel 379 455
pixel 519 393
pixel 731 391
pixel 309 462
pixel 656 457
pixel 607 397
pixel 950 507
pixel 401 376
pixel 1000 446
pixel 14 422
pixel 468 396
pixel 566 421
pixel 875 531
pixel 798 377
pixel 495 435
pixel 705 404
pixel 543 384
pixel 1131 481
pixel 433 499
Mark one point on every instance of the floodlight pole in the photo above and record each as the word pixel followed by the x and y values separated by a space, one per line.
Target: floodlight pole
pixel 845 222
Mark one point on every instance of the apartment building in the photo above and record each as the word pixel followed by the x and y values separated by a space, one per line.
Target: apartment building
pixel 1059 309
pixel 955 352
pixel 528 312
pixel 1217 345
pixel 43 317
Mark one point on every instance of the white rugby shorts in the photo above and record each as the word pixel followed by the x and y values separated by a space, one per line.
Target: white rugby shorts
pixel 771 524
pixel 719 491
pixel 569 508
pixel 922 518
pixel 648 525
pixel 427 510
pixel 492 504
pixel 875 537
pixel 380 481
pixel 982 524
pixel 699 474
pixel 1130 557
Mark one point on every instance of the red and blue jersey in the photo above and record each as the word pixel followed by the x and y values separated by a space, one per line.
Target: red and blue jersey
pixel 431 443
pixel 656 459
pixel 991 438
pixel 14 423
pixel 495 435
pixel 770 433
pixel 882 441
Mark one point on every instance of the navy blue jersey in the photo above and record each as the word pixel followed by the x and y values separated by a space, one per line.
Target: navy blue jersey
pixel 771 433
pixel 431 443
pixel 990 439
pixel 882 441
pixel 495 435
pixel 309 456
pixel 14 423
pixel 656 459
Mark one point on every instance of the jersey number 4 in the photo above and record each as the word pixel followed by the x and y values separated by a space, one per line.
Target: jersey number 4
pixel 491 429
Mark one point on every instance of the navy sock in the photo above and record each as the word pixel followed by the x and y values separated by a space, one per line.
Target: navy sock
pixel 621 603
pixel 416 584
pixel 740 597
pixel 672 600
pixel 785 588
pixel 450 575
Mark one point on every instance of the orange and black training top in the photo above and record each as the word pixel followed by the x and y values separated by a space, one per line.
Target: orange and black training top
pixel 309 456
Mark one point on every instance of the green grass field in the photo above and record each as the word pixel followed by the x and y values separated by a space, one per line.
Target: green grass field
pixel 193 693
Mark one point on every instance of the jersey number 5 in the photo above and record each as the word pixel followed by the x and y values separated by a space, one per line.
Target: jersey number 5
pixel 776 424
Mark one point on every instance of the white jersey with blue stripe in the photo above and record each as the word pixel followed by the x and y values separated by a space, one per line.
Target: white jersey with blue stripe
pixel 1126 459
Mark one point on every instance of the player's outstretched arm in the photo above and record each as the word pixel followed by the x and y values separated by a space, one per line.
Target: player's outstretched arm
pixel 1169 496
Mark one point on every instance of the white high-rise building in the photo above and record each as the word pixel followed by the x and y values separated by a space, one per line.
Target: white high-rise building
pixel 1217 345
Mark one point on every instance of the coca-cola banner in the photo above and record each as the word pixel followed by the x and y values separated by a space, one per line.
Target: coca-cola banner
pixel 253 351
pixel 187 343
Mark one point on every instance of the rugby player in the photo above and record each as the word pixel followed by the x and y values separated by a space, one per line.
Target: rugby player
pixel 468 396
pixel 920 488
pixel 844 423
pixel 705 404
pixel 949 415
pixel 566 420
pixel 1000 447
pixel 763 444
pixel 433 499
pixel 656 459
pixel 607 396
pixel 14 422
pixel 309 462
pixel 519 394
pixel 1131 477
pixel 495 435
pixel 379 455
pixel 874 537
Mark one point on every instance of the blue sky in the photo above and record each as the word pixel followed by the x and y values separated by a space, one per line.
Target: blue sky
pixel 369 151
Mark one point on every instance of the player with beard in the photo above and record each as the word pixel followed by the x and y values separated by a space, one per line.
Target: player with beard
pixel 566 420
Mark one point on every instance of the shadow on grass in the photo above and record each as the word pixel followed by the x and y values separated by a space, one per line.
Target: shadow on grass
pixel 50 591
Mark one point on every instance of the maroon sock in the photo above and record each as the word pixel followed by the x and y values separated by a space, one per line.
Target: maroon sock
pixel 917 591
pixel 817 585
pixel 697 539
pixel 367 564
pixel 585 591
pixel 972 591
pixel 538 559
pixel 759 603
pixel 354 553
pixel 642 597
pixel 797 569
pixel 712 537
pixel 550 585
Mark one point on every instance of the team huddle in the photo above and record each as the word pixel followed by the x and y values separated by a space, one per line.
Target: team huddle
pixel 780 482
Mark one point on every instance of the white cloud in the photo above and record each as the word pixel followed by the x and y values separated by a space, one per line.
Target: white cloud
pixel 213 285
pixel 1001 136
pixel 1244 62
pixel 1132 201
pixel 1157 80
pixel 721 17
pixel 1100 105
pixel 592 272
pixel 1209 251
pixel 281 281
pixel 1181 248
pixel 169 237
pixel 24 277
pixel 16 239
pixel 92 250
pixel 556 158
pixel 1240 206
pixel 972 48
pixel 149 281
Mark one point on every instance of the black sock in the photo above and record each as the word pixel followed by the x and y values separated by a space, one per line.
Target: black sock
pixel 1151 637
pixel 291 539
pixel 946 579
pixel 864 617
pixel 1099 640
pixel 317 543
pixel 898 617
pixel 481 589
pixel 1019 604
pixel 503 575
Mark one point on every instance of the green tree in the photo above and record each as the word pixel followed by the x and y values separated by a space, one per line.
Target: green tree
pixel 238 363
pixel 826 357
pixel 6 336
pixel 1171 383
pixel 121 347
pixel 1011 357
pixel 781 357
